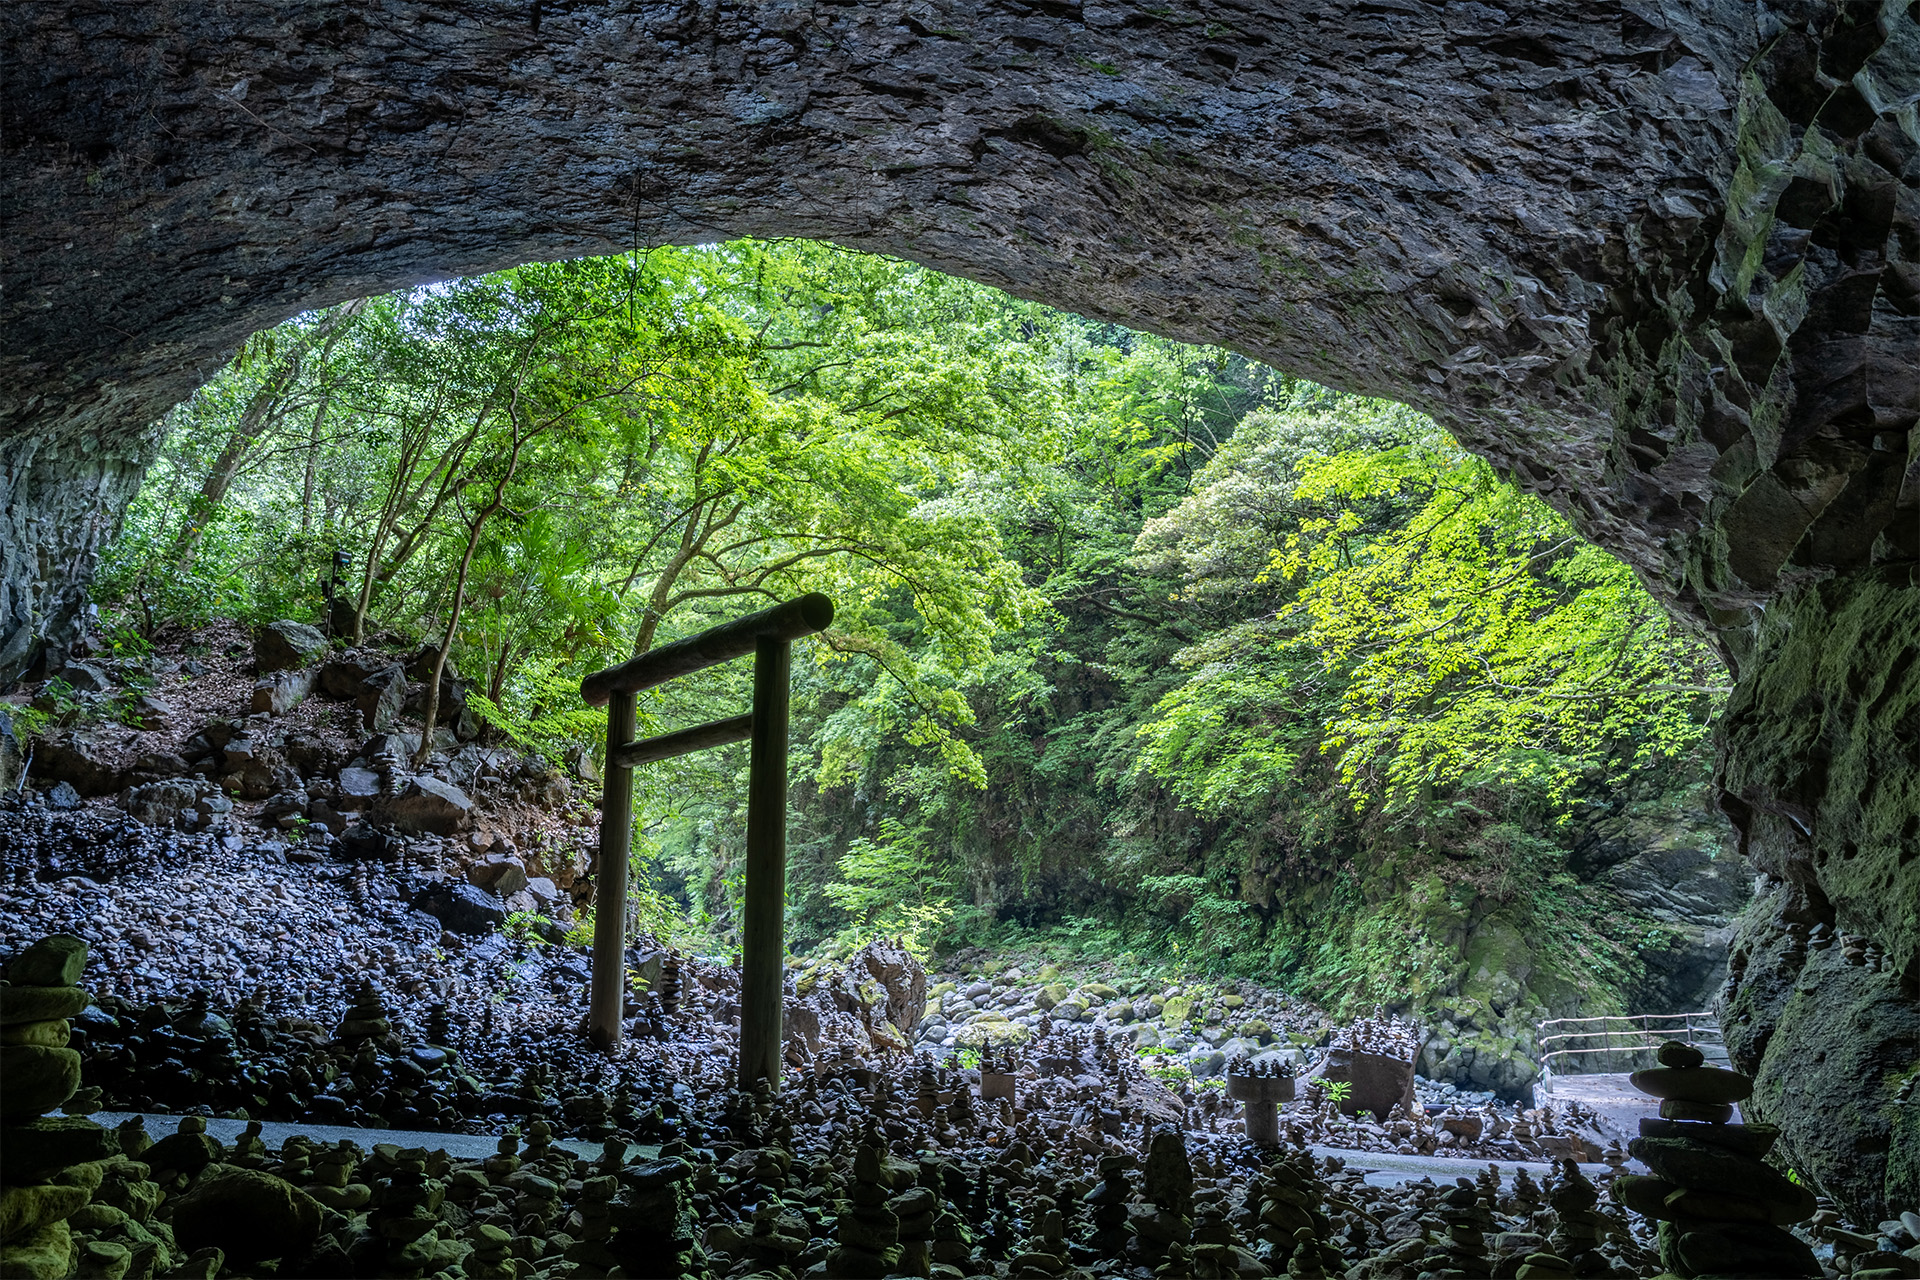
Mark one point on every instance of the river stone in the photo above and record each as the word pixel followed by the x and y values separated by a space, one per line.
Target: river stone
pixel 1694 1084
pixel 104 1260
pixel 51 962
pixel 1677 1053
pixel 248 1214
pixel 47 1254
pixel 280 645
pixel 51 1034
pixel 35 1079
pixel 1704 1112
pixel 1753 1140
pixel 24 1210
pixel 32 1151
pixel 1687 1203
pixel 39 1004
pixel 1645 1196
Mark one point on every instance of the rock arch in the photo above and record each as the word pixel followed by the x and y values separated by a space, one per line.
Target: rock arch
pixel 1659 261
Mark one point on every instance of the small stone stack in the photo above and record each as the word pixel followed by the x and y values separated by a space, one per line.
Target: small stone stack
pixel 1044 1253
pixel 868 1232
pixel 1108 1201
pixel 915 1208
pixel 1723 1211
pixel 1577 1226
pixel 1464 1252
pixel 1167 1183
pixel 37 1074
pixel 652 1217
pixel 368 1017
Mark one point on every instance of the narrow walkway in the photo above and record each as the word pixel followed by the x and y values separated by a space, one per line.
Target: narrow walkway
pixel 1388 1170
pixel 1381 1170
pixel 461 1146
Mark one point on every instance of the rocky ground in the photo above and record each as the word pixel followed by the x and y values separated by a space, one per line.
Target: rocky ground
pixel 324 934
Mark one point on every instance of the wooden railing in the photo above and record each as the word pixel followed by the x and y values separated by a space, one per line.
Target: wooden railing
pixel 1586 1046
pixel 768 635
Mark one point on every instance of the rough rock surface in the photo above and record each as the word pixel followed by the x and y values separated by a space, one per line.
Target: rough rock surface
pixel 1656 262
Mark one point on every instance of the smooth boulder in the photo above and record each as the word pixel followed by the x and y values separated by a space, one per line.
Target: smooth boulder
pixel 429 806
pixel 248 1214
pixel 35 1079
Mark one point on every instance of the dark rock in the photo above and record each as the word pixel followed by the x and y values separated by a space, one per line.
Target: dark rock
pixel 62 798
pixel 10 756
pixel 346 676
pixel 39 1147
pixel 248 1214
pixel 83 759
pixel 461 907
pixel 84 677
pixel 359 788
pixel 362 840
pixel 282 645
pixel 150 713
pixel 380 699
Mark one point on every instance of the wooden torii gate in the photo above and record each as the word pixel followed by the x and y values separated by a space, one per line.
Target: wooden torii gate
pixel 769 636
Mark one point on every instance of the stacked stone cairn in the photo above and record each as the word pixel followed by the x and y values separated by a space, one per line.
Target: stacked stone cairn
pixel 367 1019
pixel 1462 1253
pixel 38 1073
pixel 1166 1219
pixel 868 1230
pixel 1722 1210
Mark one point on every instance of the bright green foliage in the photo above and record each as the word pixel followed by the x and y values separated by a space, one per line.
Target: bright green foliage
pixel 1478 636
pixel 1138 645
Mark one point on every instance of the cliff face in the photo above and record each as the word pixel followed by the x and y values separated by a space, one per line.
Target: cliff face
pixel 1660 261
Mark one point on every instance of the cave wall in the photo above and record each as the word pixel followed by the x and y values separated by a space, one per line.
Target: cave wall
pixel 1659 260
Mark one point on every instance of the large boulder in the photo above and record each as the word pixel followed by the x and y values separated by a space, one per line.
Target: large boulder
pixel 282 645
pixel 890 983
pixel 87 760
pixel 428 806
pixel 344 676
pixel 461 907
pixel 248 1214
pixel 380 698
pixel 359 788
pixel 499 873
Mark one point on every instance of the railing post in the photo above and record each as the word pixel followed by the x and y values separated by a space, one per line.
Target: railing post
pixel 608 992
pixel 763 914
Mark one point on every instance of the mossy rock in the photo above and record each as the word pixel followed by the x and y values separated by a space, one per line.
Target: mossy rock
pixel 247 1214
pixel 987 1015
pixel 35 1079
pixel 941 989
pixel 51 1034
pixel 39 1004
pixel 1100 992
pixel 51 962
pixel 1177 1010
pixel 1048 973
pixel 47 1254
pixel 990 1034
pixel 1049 996
pixel 1158 1001
pixel 1233 1002
pixel 1255 1029
pixel 25 1210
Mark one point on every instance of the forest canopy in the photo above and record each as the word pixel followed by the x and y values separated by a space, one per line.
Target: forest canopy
pixel 1137 642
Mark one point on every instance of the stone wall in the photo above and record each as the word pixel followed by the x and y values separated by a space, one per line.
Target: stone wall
pixel 1660 262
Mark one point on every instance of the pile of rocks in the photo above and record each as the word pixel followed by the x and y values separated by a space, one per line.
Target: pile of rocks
pixel 1723 1211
